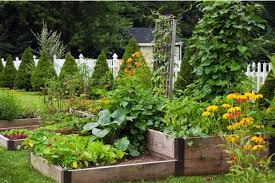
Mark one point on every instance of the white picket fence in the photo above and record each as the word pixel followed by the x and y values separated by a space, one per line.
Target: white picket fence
pixel 113 64
pixel 258 72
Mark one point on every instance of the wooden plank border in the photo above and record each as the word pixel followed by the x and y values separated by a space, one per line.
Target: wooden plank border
pixel 125 172
pixel 18 123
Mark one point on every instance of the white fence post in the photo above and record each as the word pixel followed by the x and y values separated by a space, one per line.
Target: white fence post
pixel 116 65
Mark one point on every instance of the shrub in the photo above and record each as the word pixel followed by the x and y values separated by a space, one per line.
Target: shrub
pixel 24 74
pixel 70 67
pixel 131 48
pixel 9 73
pixel 186 75
pixel 268 89
pixel 220 57
pixel 43 72
pixel 9 108
pixel 102 77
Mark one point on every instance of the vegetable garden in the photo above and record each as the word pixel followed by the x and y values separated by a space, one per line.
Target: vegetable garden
pixel 94 128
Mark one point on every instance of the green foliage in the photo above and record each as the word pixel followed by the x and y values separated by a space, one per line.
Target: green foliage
pixel 222 41
pixel 268 89
pixel 102 77
pixel 24 73
pixel 9 107
pixel 43 72
pixel 8 73
pixel 131 109
pixel 71 151
pixel 185 75
pixel 162 52
pixel 24 132
pixel 69 68
pixel 131 48
pixel 183 118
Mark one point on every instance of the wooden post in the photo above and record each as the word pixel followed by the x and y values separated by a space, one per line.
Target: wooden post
pixel 171 63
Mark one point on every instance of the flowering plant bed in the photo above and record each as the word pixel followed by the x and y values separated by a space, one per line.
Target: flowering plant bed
pixel 11 139
pixel 19 123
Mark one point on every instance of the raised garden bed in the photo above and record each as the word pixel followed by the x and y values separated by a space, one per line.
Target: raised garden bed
pixel 196 155
pixel 156 165
pixel 11 139
pixel 19 123
pixel 10 144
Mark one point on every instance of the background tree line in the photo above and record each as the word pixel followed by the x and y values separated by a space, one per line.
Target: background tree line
pixel 89 27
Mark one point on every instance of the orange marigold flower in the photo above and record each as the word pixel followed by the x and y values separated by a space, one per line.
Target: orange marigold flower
pixel 247 121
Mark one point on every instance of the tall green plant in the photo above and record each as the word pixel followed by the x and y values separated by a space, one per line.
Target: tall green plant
pixel 186 75
pixel 222 40
pixel 23 76
pixel 43 72
pixel 9 73
pixel 69 67
pixel 131 48
pixel 102 77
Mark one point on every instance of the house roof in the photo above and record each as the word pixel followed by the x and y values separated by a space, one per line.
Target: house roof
pixel 144 34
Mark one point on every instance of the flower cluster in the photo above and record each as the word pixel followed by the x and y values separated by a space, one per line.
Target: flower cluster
pixel 244 122
pixel 133 62
pixel 245 97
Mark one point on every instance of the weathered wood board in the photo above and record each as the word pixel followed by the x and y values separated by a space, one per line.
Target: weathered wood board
pixel 18 123
pixel 127 172
pixel 10 144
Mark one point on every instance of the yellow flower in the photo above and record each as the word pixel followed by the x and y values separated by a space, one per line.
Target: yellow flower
pixel 232 138
pixel 212 108
pixel 259 126
pixel 257 147
pixel 269 109
pixel 247 147
pixel 226 106
pixel 247 121
pixel 253 96
pixel 206 113
pixel 232 96
pixel 258 140
pixel 234 109
pixel 234 126
pixel 75 165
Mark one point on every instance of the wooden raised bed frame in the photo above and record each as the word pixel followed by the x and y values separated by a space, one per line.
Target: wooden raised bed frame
pixel 10 144
pixel 122 172
pixel 18 123
pixel 196 155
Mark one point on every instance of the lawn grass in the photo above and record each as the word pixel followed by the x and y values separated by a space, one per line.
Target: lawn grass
pixel 32 100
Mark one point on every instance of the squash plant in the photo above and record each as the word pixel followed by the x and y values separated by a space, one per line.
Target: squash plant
pixel 131 110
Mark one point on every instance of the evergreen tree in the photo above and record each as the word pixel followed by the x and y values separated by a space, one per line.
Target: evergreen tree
pixel 1 69
pixel 268 89
pixel 24 74
pixel 69 67
pixel 102 77
pixel 9 73
pixel 185 75
pixel 131 48
pixel 43 72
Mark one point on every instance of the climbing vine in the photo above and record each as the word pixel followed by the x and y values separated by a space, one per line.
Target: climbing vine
pixel 161 52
